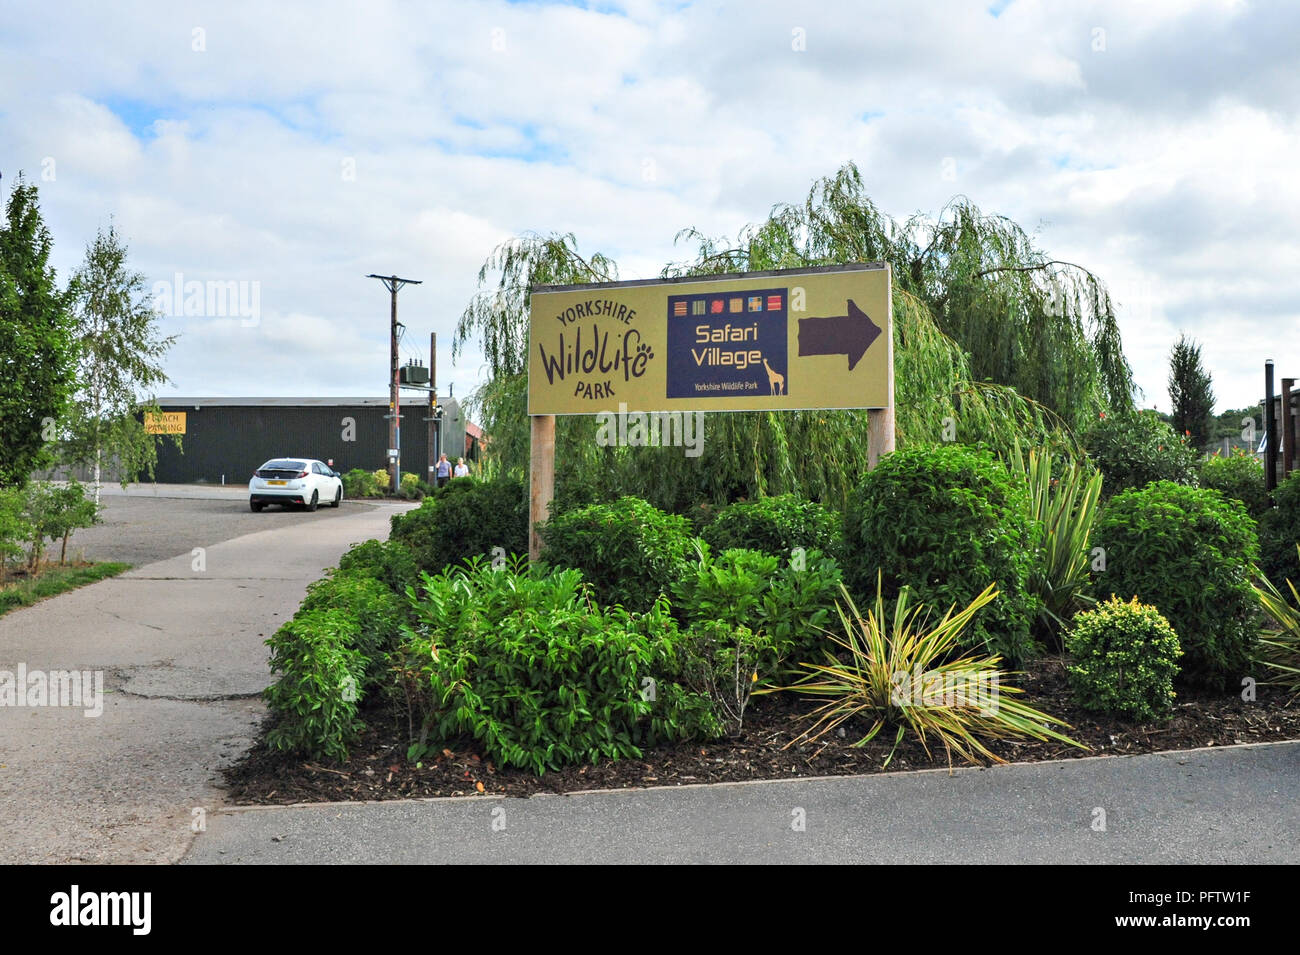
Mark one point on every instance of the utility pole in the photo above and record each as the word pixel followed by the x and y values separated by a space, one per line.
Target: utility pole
pixel 432 419
pixel 393 283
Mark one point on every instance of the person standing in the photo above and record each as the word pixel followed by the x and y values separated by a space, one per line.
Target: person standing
pixel 462 469
pixel 443 470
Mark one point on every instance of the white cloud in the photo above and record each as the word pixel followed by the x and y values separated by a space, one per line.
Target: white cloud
pixel 304 147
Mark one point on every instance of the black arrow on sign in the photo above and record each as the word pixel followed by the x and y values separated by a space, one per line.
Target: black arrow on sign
pixel 850 334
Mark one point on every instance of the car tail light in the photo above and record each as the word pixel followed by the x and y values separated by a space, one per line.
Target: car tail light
pixel 302 474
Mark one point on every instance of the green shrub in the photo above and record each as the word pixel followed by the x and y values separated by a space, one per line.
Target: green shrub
pixel 1191 553
pixel 378 612
pixel 358 483
pixel 388 561
pixel 789 604
pixel 1238 476
pixel 775 525
pixel 629 551
pixel 1133 449
pixel 1125 658
pixel 338 646
pixel 798 609
pixel 525 663
pixel 728 589
pixel 321 674
pixel 947 521
pixel 412 488
pixel 14 527
pixel 1279 533
pixel 379 480
pixel 464 519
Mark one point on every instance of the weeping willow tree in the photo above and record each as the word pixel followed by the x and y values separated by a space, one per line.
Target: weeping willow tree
pixel 994 342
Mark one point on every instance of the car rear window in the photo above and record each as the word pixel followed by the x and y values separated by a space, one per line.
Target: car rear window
pixel 284 464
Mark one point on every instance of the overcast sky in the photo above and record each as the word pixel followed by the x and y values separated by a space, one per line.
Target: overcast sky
pixel 296 147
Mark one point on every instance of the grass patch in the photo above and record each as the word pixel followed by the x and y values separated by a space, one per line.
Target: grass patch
pixel 53 580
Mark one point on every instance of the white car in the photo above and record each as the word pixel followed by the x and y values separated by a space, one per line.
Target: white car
pixel 297 481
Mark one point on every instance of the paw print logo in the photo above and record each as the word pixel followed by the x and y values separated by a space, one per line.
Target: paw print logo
pixel 636 361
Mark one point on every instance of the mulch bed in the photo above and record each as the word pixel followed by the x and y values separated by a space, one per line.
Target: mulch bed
pixel 377 768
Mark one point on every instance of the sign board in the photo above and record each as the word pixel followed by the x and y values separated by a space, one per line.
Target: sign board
pixel 787 340
pixel 166 422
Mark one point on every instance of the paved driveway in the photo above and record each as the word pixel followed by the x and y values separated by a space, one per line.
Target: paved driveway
pixel 180 645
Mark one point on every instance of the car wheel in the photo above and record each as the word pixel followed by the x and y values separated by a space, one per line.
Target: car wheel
pixel 315 501
pixel 338 497
pixel 255 507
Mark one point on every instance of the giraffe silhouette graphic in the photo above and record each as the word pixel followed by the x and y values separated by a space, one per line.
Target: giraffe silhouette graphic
pixel 775 381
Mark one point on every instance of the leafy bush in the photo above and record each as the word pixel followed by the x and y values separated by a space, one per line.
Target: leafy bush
pixel 1125 658
pixel 799 607
pixel 1279 533
pixel 338 646
pixel 1191 553
pixel 377 611
pixel 412 488
pixel 321 673
pixel 894 670
pixel 788 603
pixel 379 479
pixel 358 483
pixel 14 527
pixel 775 525
pixel 1238 476
pixel 1063 498
pixel 947 521
pixel 1135 448
pixel 728 589
pixel 390 562
pixel 526 664
pixel 630 551
pixel 464 519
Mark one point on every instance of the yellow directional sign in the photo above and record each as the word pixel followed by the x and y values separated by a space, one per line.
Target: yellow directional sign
pixel 756 341
pixel 166 422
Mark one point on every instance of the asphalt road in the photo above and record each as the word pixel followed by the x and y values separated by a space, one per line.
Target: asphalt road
pixel 180 646
pixel 141 527
pixel 1231 805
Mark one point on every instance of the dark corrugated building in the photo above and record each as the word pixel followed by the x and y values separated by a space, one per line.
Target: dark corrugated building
pixel 228 438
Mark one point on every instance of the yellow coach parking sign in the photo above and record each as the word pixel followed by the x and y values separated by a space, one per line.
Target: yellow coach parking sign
pixel 787 340
pixel 166 422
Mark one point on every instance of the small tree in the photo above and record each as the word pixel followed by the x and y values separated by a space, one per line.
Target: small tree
pixel 71 509
pixel 119 359
pixel 53 512
pixel 36 340
pixel 1190 392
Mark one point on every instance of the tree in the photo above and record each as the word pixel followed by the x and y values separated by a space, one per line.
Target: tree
pixel 1190 392
pixel 994 341
pixel 37 347
pixel 119 359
